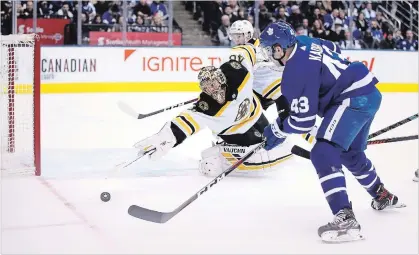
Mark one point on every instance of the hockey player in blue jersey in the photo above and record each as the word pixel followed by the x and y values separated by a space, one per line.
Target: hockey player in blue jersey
pixel 319 81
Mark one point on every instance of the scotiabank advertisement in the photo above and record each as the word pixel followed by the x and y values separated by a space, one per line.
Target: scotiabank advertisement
pixel 51 31
pixel 134 39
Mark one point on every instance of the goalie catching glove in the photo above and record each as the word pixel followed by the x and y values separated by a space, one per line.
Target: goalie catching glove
pixel 157 145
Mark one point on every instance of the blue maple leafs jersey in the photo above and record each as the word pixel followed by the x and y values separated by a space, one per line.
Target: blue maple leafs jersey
pixel 316 77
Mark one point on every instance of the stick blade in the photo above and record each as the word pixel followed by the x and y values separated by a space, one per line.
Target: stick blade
pixel 148 215
pixel 300 152
pixel 127 109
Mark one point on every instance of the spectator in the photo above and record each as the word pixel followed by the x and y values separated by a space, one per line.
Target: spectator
pixel 329 19
pixel 158 6
pixel 142 9
pixel 346 44
pixel 318 30
pixel 408 43
pixel 389 43
pixel 343 19
pixel 102 6
pixel 158 24
pixel 6 17
pixel 89 9
pixel 64 12
pixel 336 34
pixel 376 31
pixel 382 23
pixel 229 12
pixel 398 36
pixel 27 12
pixel 251 20
pixel 138 26
pixel 241 15
pixel 109 17
pixel 361 23
pixel 300 30
pixel 45 10
pixel 368 41
pixel 285 4
pixel 213 12
pixel 234 7
pixel 368 12
pixel 306 26
pixel 282 15
pixel 265 17
pixel 97 24
pixel 316 15
pixel 328 6
pixel 97 19
pixel 296 18
pixel 223 31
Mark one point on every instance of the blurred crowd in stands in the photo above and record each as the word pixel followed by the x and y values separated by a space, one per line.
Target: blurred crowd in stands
pixel 331 20
pixel 362 27
pixel 143 15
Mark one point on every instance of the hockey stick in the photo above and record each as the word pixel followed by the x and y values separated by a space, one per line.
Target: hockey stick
pixel 297 150
pixel 301 152
pixel 394 139
pixel 397 124
pixel 130 111
pixel 126 164
pixel 162 217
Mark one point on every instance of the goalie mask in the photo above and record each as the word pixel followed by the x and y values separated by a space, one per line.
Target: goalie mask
pixel 212 82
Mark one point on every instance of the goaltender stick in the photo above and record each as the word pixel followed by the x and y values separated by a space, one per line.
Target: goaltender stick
pixel 229 107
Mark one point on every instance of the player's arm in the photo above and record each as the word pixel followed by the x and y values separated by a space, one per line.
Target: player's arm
pixel 172 134
pixel 186 124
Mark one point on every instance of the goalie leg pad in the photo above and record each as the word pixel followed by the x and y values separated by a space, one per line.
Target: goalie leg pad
pixel 218 158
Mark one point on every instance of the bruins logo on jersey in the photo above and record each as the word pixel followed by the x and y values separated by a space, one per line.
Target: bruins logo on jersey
pixel 235 65
pixel 244 108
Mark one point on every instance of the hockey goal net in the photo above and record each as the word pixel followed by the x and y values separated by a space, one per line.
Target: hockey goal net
pixel 20 104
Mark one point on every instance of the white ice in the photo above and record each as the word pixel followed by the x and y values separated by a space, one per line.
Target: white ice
pixel 85 135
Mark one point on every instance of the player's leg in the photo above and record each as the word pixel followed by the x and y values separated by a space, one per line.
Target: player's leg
pixel 217 158
pixel 335 134
pixel 357 162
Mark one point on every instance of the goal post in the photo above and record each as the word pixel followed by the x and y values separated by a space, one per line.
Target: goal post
pixel 20 81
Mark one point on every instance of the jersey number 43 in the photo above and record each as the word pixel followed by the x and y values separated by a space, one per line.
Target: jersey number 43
pixel 300 105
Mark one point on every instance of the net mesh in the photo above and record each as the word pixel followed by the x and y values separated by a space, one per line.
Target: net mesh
pixel 17 104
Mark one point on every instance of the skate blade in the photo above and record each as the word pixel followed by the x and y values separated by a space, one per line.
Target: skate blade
pixel 396 206
pixel 336 237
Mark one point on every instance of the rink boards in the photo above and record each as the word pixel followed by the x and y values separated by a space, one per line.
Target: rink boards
pixel 159 69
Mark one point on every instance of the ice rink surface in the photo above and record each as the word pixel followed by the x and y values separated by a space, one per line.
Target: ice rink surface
pixel 84 136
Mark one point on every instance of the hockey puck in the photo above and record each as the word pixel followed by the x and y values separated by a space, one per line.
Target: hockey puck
pixel 105 196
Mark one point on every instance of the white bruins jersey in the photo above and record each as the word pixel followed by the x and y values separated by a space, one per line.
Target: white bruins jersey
pixel 267 81
pixel 242 107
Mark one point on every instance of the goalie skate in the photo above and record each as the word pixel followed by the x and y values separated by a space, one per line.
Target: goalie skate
pixel 344 228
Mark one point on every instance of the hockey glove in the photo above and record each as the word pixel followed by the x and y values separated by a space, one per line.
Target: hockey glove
pixel 157 145
pixel 274 135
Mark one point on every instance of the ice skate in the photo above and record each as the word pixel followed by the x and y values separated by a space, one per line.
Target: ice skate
pixel 344 228
pixel 385 200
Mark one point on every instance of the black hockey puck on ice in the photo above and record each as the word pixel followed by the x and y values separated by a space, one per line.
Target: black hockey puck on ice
pixel 105 196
